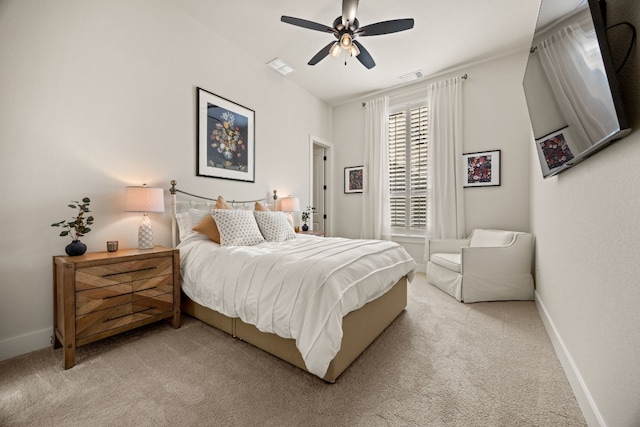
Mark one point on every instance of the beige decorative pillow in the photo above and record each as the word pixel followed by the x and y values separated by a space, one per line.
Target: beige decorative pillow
pixel 259 207
pixel 209 228
pixel 222 204
pixel 208 225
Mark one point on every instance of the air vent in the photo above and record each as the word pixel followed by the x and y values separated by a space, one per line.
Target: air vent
pixel 412 76
pixel 280 66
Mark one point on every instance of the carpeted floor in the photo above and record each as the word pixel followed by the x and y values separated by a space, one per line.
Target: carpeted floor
pixel 441 363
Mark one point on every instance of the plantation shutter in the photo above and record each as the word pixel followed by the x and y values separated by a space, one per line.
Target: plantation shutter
pixel 408 167
pixel 398 168
pixel 418 176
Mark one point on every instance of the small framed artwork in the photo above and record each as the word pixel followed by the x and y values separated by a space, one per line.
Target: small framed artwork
pixel 226 139
pixel 354 179
pixel 554 151
pixel 481 169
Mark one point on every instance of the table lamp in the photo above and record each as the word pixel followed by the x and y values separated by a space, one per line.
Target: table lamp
pixel 288 205
pixel 144 199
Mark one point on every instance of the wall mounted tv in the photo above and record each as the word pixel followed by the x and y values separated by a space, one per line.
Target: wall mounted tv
pixel 570 85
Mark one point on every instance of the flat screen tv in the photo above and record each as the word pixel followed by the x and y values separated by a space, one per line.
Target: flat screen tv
pixel 570 85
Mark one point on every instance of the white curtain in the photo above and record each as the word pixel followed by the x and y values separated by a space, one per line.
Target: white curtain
pixel 571 61
pixel 445 201
pixel 376 216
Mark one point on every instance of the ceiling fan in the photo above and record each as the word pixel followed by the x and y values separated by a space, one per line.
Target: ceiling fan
pixel 346 28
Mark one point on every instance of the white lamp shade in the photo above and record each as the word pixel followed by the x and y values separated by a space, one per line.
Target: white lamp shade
pixel 290 204
pixel 144 199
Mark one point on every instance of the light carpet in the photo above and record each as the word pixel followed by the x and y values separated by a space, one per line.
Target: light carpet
pixel 441 363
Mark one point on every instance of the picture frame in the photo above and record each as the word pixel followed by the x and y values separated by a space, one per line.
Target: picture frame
pixel 481 169
pixel 554 151
pixel 355 179
pixel 225 138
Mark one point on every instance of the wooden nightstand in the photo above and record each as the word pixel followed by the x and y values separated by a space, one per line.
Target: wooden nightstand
pixel 100 294
pixel 312 232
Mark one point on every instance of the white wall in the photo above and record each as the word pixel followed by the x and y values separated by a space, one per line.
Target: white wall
pixel 494 117
pixel 100 95
pixel 588 239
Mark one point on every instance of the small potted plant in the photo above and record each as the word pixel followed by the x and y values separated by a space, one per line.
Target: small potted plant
pixel 306 216
pixel 76 227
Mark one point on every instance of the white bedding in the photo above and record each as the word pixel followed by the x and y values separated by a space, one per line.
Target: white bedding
pixel 300 288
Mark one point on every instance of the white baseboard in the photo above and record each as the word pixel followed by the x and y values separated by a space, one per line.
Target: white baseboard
pixel 23 344
pixel 588 406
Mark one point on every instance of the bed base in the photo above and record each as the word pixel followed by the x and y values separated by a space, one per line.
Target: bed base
pixel 360 328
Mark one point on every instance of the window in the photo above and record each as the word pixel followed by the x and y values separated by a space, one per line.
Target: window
pixel 408 125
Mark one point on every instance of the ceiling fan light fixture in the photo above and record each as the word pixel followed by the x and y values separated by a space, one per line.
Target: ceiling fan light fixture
pixel 345 40
pixel 353 50
pixel 335 50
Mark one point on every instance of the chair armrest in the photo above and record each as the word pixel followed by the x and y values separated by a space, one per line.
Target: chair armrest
pixel 452 246
pixel 515 258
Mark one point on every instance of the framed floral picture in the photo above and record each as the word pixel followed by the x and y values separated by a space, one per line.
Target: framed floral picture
pixel 354 179
pixel 225 139
pixel 554 151
pixel 481 169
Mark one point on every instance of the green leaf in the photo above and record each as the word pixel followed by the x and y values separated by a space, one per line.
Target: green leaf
pixel 72 206
pixel 64 233
pixel 86 200
pixel 90 218
pixel 86 230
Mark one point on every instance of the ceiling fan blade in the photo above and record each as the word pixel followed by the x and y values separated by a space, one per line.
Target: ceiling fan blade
pixel 364 57
pixel 386 27
pixel 349 10
pixel 306 24
pixel 321 55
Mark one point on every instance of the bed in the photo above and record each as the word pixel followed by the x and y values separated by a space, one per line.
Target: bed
pixel 314 302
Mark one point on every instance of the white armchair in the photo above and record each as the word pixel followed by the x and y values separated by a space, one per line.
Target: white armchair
pixel 491 265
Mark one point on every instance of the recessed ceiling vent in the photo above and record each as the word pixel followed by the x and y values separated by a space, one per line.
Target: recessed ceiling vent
pixel 412 76
pixel 280 66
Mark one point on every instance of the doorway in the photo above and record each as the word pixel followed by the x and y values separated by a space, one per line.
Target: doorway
pixel 320 183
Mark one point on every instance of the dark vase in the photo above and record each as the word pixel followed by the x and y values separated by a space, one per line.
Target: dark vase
pixel 75 248
pixel 305 227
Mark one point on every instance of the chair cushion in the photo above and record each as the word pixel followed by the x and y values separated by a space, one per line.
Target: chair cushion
pixel 450 261
pixel 491 238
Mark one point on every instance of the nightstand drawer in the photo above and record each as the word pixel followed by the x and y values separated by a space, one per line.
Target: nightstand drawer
pixel 163 283
pixel 103 320
pixel 149 307
pixel 102 298
pixel 102 275
pixel 122 272
pixel 151 267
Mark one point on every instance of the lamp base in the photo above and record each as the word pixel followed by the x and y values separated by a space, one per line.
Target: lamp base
pixel 145 234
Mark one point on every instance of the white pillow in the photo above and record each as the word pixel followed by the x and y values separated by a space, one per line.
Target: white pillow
pixel 237 227
pixel 196 216
pixel 274 226
pixel 184 224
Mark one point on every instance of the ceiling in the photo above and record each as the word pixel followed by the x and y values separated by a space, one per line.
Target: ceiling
pixel 447 35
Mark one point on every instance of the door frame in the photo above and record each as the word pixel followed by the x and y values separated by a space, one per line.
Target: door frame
pixel 328 179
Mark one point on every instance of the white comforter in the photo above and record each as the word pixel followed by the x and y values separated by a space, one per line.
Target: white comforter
pixel 300 289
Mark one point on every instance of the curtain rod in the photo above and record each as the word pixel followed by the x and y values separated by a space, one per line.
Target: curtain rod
pixel 465 76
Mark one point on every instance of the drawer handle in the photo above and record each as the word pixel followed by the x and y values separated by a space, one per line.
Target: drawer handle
pixel 116 296
pixel 129 293
pixel 130 271
pixel 125 315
